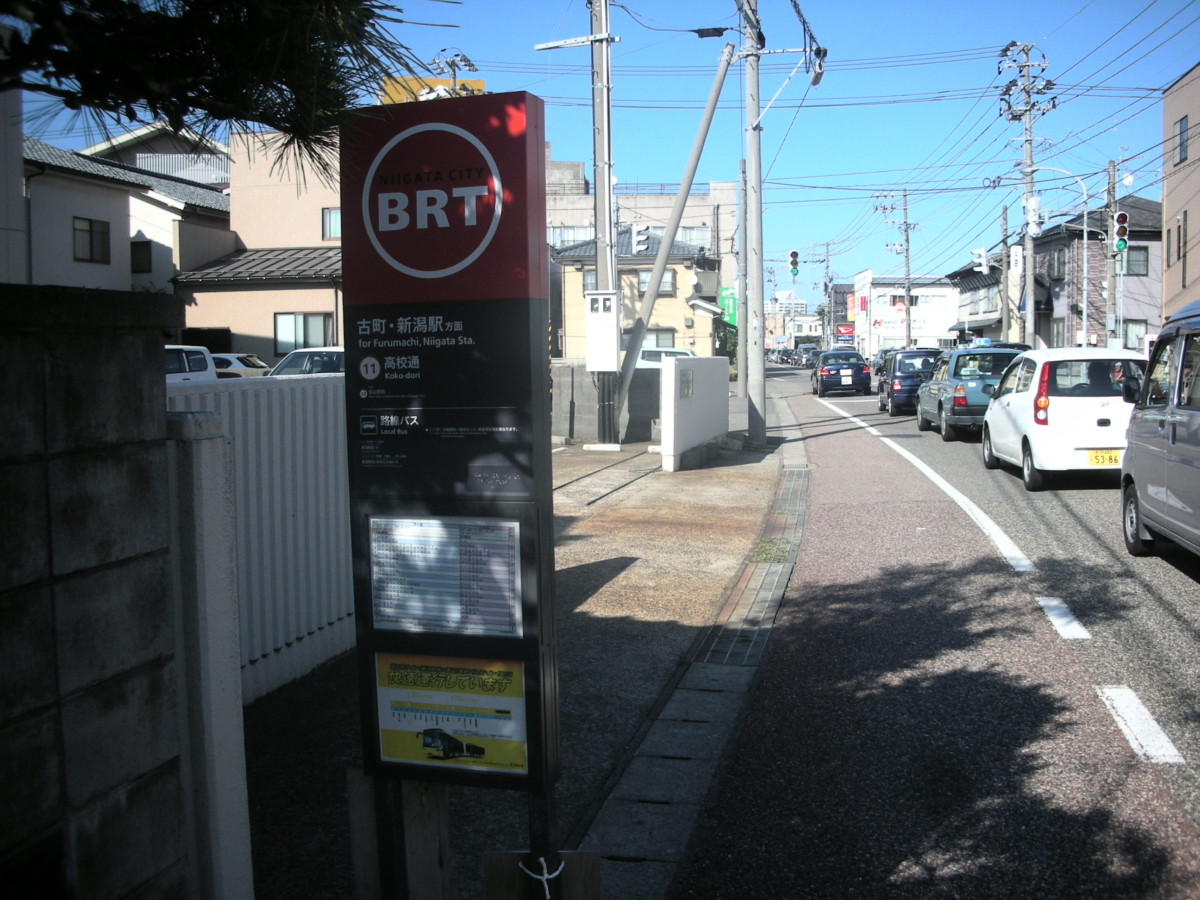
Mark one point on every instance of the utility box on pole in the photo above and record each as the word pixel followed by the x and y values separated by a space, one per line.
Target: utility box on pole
pixel 603 331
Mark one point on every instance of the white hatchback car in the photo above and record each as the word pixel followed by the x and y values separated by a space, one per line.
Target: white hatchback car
pixel 1060 410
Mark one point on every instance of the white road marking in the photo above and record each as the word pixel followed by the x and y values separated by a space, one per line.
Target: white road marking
pixel 1064 621
pixel 1007 546
pixel 558 449
pixel 1145 736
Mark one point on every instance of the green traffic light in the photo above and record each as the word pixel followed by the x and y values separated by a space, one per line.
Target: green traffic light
pixel 1122 244
pixel 795 271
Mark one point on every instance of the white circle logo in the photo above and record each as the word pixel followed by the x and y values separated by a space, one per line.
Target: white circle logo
pixel 369 368
pixel 432 206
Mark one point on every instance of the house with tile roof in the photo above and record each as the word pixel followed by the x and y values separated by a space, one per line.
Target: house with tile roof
pixel 96 223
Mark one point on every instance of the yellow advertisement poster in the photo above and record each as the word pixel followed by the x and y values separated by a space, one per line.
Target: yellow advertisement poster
pixel 451 713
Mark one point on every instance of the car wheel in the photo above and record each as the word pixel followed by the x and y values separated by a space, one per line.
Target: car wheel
pixel 948 431
pixel 879 402
pixel 813 386
pixel 1033 477
pixel 820 390
pixel 922 422
pixel 1131 524
pixel 892 408
pixel 867 391
pixel 989 458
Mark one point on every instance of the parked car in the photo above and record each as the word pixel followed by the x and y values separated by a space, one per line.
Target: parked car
pixel 652 357
pixel 1058 410
pixel 903 372
pixel 313 361
pixel 841 370
pixel 809 357
pixel 189 363
pixel 239 365
pixel 952 399
pixel 1160 487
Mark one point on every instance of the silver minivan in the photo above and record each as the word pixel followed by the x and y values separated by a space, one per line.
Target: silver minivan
pixel 1160 469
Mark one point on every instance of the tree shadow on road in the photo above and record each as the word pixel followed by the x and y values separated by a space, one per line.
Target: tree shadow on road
pixel 901 745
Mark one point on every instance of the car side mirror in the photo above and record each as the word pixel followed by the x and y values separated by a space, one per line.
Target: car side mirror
pixel 989 389
pixel 1129 389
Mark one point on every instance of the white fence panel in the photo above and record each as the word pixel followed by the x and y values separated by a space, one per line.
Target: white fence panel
pixel 295 588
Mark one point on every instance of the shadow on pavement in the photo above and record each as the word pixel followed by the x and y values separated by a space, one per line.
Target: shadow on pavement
pixel 895 748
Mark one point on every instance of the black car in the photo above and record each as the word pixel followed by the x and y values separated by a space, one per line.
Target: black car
pixel 841 370
pixel 903 373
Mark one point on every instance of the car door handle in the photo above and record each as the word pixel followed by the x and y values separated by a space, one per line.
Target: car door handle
pixel 1174 419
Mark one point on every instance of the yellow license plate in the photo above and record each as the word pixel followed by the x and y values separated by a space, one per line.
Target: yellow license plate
pixel 1104 457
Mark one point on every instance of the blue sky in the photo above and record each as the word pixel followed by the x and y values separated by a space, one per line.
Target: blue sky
pixel 909 100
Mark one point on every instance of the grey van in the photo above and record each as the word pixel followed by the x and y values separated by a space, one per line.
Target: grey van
pixel 1160 469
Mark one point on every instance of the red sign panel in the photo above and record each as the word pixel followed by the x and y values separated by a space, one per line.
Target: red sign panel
pixel 437 200
pixel 844 329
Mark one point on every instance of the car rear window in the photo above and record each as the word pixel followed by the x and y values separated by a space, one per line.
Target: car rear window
pixel 1091 377
pixel 910 365
pixel 982 365
pixel 842 359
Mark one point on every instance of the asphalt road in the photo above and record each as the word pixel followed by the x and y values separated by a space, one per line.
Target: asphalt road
pixel 921 728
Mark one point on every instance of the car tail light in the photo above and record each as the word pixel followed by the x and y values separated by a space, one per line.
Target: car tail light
pixel 1041 402
pixel 960 395
pixel 897 385
pixel 866 370
pixel 824 371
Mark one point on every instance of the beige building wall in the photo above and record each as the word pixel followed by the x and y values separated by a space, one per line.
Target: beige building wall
pixel 1181 194
pixel 250 314
pixel 273 202
pixel 671 312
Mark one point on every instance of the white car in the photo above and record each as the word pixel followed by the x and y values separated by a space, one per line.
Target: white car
pixel 189 363
pixel 312 361
pixel 1059 410
pixel 239 365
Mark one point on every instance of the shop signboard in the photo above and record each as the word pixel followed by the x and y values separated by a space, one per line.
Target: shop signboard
pixel 446 306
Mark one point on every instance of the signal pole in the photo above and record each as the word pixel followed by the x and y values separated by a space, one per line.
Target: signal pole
pixel 1110 305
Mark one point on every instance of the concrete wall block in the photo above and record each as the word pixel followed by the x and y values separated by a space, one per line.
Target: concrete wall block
pixel 108 505
pixel 23 534
pixel 119 730
pixel 112 621
pixel 93 403
pixel 26 652
pixel 23 374
pixel 126 841
pixel 31 793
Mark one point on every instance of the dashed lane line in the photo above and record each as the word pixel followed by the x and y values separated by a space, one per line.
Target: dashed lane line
pixel 1147 739
pixel 1068 627
pixel 1004 544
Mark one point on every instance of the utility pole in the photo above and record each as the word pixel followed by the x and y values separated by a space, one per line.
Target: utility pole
pixel 607 383
pixel 1110 275
pixel 1027 86
pixel 755 373
pixel 743 318
pixel 904 248
pixel 1005 313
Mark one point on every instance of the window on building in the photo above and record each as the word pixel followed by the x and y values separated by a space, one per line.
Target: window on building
pixel 1137 261
pixel 1058 332
pixel 1167 248
pixel 589 279
pixel 653 338
pixel 564 235
pixel 1135 334
pixel 1181 140
pixel 295 331
pixel 1058 265
pixel 140 258
pixel 331 224
pixel 91 241
pixel 667 286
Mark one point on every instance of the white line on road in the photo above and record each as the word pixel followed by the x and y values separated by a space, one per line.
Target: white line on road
pixel 1008 549
pixel 558 449
pixel 1145 736
pixel 1064 621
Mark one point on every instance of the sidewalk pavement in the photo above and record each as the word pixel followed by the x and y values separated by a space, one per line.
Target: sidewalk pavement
pixel 665 594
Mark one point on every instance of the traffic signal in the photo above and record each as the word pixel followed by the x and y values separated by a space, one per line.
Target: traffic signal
pixel 794 263
pixel 641 239
pixel 979 260
pixel 1120 239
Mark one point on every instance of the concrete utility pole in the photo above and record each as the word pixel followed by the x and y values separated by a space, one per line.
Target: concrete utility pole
pixel 1110 274
pixel 1027 86
pixel 908 341
pixel 755 370
pixel 607 383
pixel 1005 313
pixel 742 309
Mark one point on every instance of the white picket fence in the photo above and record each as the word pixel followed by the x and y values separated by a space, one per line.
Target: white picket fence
pixel 295 589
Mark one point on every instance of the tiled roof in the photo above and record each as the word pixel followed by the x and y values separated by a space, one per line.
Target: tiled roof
pixel 587 249
pixel 319 264
pixel 180 189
